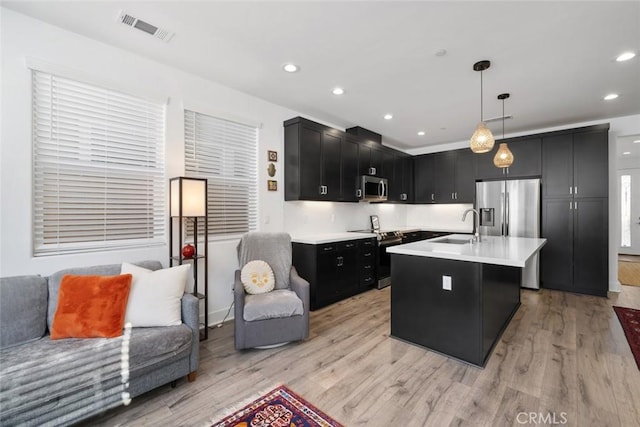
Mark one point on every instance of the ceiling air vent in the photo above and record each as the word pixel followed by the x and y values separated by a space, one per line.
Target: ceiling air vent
pixel 133 22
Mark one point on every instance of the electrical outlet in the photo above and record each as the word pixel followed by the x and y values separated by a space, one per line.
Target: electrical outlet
pixel 446 283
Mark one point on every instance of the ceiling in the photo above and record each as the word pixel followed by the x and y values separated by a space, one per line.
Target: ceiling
pixel 556 59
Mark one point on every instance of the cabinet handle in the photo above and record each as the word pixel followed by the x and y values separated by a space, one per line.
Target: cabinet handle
pixel 570 206
pixel 372 171
pixel 403 196
pixel 456 193
pixel 340 261
pixel 576 190
pixel 350 245
pixel 508 171
pixel 367 267
pixel 575 205
pixel 452 196
pixel 359 193
pixel 432 197
pixel 570 190
pixel 368 254
pixel 328 248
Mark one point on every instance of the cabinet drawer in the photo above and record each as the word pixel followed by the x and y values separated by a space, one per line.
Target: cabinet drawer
pixel 364 244
pixel 367 256
pixel 351 244
pixel 367 281
pixel 366 269
pixel 326 247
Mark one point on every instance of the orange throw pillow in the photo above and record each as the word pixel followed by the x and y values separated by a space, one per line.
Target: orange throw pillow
pixel 91 306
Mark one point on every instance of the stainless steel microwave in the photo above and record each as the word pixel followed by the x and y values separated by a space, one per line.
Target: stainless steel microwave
pixel 373 189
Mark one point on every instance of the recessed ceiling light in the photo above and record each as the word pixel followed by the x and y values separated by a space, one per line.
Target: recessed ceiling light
pixel 388 117
pixel 625 56
pixel 626 153
pixel 421 133
pixel 611 96
pixel 290 68
pixel 441 52
pixel 637 141
pixel 337 91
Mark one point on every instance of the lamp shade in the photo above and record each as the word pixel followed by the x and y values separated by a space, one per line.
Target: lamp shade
pixel 503 157
pixel 188 197
pixel 482 140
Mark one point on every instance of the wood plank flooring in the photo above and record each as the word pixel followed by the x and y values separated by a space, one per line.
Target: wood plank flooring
pixel 562 355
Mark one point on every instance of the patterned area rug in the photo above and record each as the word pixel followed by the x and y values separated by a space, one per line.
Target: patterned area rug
pixel 278 408
pixel 630 321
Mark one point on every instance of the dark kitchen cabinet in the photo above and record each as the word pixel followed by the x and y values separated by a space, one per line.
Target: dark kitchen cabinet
pixel 575 164
pixel 575 256
pixel 320 163
pixel 401 182
pixel 370 159
pixel 446 177
pixel 424 179
pixel 575 210
pixel 527 160
pixel 335 270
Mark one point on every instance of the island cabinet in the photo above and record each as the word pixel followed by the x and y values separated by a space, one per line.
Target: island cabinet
pixel 464 322
pixel 527 163
pixel 320 162
pixel 575 211
pixel 446 177
pixel 335 270
pixel 457 298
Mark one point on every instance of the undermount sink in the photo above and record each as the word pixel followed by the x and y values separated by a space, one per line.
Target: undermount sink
pixel 453 241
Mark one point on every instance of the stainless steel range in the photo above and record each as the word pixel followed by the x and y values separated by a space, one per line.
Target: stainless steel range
pixel 385 239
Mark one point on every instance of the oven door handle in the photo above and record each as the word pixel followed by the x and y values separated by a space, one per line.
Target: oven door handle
pixel 390 242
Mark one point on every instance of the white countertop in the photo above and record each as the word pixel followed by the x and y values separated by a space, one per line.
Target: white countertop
pixel 510 251
pixel 316 239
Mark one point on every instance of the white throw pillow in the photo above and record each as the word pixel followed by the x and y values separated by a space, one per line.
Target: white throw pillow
pixel 257 277
pixel 155 298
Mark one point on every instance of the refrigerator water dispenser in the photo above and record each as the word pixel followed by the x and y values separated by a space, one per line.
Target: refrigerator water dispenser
pixel 487 217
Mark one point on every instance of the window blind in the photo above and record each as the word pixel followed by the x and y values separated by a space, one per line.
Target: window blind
pixel 98 167
pixel 225 153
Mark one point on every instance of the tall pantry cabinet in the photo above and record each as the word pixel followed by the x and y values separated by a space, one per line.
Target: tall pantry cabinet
pixel 575 207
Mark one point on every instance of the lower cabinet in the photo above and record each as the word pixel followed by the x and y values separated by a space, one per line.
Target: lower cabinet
pixel 336 270
pixel 575 258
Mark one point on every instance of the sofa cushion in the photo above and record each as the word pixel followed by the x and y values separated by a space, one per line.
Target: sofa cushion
pixel 277 303
pixel 91 306
pixel 45 375
pixel 156 296
pixel 98 270
pixel 23 309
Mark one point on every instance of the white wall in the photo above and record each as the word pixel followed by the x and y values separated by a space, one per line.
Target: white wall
pixel 23 37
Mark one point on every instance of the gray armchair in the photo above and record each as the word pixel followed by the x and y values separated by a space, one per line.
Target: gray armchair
pixel 271 328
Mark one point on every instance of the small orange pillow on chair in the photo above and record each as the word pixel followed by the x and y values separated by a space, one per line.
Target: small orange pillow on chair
pixel 91 306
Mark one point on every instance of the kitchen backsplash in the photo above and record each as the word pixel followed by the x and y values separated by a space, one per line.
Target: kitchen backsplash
pixel 304 218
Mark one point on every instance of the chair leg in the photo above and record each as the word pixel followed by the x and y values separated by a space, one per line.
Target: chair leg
pixel 174 383
pixel 191 377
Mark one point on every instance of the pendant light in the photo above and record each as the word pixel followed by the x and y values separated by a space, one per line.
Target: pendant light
pixel 482 139
pixel 504 156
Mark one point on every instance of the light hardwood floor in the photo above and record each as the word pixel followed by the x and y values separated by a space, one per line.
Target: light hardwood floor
pixel 561 353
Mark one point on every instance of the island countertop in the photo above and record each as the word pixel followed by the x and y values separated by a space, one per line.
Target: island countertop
pixel 509 251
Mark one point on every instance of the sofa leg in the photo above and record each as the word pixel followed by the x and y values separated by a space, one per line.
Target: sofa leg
pixel 174 383
pixel 192 376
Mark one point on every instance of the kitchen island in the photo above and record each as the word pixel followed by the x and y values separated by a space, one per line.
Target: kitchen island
pixel 455 297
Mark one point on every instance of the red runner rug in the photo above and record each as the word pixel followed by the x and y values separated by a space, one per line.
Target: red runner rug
pixel 630 321
pixel 279 408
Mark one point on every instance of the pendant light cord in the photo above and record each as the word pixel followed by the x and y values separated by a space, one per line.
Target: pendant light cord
pixel 503 118
pixel 481 96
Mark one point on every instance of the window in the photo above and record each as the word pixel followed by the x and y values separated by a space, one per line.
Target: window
pixel 625 211
pixel 225 153
pixel 98 168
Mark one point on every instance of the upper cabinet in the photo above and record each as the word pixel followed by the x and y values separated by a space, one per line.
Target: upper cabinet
pixel 325 164
pixel 574 163
pixel 527 158
pixel 401 182
pixel 446 177
pixel 320 163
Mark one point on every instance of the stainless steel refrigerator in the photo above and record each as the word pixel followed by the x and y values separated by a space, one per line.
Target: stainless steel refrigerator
pixel 512 208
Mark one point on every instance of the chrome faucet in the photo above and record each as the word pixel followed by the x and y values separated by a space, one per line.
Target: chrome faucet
pixel 476 234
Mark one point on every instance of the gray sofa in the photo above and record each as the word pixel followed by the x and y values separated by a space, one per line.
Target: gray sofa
pixel 59 382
